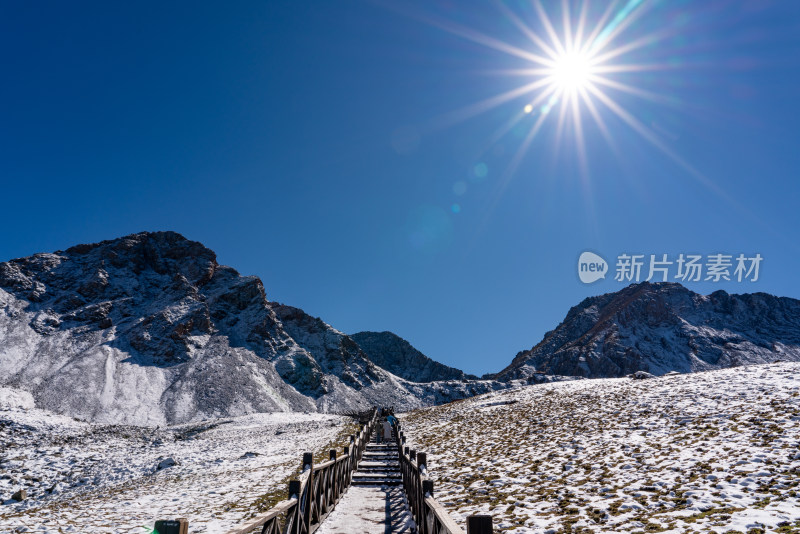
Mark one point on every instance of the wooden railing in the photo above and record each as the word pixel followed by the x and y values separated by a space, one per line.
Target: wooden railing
pixel 313 495
pixel 429 515
pixel 315 492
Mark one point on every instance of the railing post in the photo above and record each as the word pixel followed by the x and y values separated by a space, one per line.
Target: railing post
pixel 427 487
pixel 172 526
pixel 334 478
pixel 347 466
pixel 422 461
pixel 308 465
pixel 294 489
pixel 294 492
pixel 420 495
pixel 479 524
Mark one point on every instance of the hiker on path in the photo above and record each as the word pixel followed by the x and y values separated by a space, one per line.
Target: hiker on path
pixel 387 431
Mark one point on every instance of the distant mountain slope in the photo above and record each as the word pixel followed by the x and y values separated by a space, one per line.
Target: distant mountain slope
pixel 664 327
pixel 393 353
pixel 150 329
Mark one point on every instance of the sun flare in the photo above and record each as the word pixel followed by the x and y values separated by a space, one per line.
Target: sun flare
pixel 572 71
pixel 575 67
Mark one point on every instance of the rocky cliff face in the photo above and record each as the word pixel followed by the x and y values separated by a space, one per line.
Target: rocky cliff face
pixel 396 355
pixel 664 327
pixel 150 329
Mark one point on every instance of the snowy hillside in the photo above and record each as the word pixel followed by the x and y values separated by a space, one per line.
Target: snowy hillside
pixel 149 329
pixel 705 452
pixel 664 327
pixel 84 478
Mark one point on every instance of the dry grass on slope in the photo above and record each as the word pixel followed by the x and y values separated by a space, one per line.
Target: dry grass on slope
pixel 707 452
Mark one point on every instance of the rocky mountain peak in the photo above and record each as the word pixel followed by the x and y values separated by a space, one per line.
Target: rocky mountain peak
pixel 662 327
pixel 149 328
pixel 162 252
pixel 398 356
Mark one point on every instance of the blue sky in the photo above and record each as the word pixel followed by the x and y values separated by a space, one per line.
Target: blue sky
pixel 319 145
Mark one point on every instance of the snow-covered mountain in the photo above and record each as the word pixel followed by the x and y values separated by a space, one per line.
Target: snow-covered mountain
pixel 150 329
pixel 398 356
pixel 664 327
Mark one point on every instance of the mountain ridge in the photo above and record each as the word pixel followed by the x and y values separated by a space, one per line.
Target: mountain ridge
pixel 150 329
pixel 395 354
pixel 663 327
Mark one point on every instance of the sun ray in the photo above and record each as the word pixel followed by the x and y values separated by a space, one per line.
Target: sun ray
pixel 512 167
pixel 486 40
pixel 598 119
pixel 646 40
pixel 566 20
pixel 523 149
pixel 633 67
pixel 468 33
pixel 642 93
pixel 580 144
pixel 548 26
pixel 653 139
pixel 534 104
pixel 606 133
pixel 485 105
pixel 518 72
pixel 533 36
pixel 581 23
pixel 618 24
pixel 583 161
pixel 562 119
pixel 601 23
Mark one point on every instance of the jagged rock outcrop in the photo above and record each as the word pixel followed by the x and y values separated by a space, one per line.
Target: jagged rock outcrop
pixel 393 353
pixel 150 329
pixel 664 327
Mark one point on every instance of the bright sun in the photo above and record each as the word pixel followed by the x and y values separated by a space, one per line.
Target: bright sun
pixel 572 71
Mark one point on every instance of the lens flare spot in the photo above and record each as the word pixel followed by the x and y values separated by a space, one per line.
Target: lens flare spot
pixel 455 208
pixel 429 229
pixel 528 108
pixel 481 170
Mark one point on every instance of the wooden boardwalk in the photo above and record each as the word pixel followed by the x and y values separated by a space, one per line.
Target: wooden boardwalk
pixel 380 465
pixel 375 503
pixel 370 510
pixel 374 487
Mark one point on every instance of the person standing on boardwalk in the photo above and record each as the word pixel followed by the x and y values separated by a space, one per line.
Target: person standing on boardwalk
pixel 387 431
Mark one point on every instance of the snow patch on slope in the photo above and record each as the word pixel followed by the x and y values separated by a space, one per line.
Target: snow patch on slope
pixel 703 452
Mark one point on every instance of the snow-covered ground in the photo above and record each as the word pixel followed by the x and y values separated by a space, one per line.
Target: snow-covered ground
pixel 366 509
pixel 84 478
pixel 709 452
